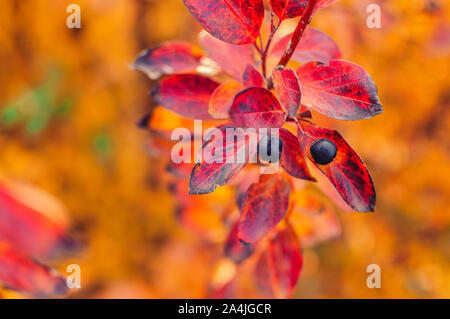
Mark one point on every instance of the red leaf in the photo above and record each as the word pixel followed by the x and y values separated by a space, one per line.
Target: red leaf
pixel 31 220
pixel 285 9
pixel 257 107
pixel 314 46
pixel 264 206
pixel 340 89
pixel 252 77
pixel 185 94
pixel 233 21
pixel 292 156
pixel 288 89
pixel 168 58
pixel 222 98
pixel 285 259
pixel 346 172
pixel 235 249
pixel 231 58
pixel 222 160
pixel 263 276
pixel 20 273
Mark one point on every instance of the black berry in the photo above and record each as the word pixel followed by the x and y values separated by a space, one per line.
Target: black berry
pixel 265 149
pixel 323 151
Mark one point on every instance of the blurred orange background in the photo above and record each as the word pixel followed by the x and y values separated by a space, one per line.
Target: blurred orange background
pixel 68 108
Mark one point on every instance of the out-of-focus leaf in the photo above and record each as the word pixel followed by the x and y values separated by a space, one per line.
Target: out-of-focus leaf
pixel 31 220
pixel 222 98
pixel 230 57
pixel 257 108
pixel 263 276
pixel 235 249
pixel 264 206
pixel 313 217
pixel 288 89
pixel 252 77
pixel 222 158
pixel 346 172
pixel 339 89
pixel 313 46
pixel 168 58
pixel 186 94
pixel 19 272
pixel 293 158
pixel 233 21
pixel 285 259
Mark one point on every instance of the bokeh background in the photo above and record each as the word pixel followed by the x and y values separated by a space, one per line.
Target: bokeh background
pixel 68 108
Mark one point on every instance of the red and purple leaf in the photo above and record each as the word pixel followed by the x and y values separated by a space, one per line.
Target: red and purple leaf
pixel 232 21
pixel 252 77
pixel 346 172
pixel 288 89
pixel 313 46
pixel 230 57
pixel 285 260
pixel 186 94
pixel 235 249
pixel 293 159
pixel 340 89
pixel 286 9
pixel 20 273
pixel 222 158
pixel 264 206
pixel 257 108
pixel 222 98
pixel 168 58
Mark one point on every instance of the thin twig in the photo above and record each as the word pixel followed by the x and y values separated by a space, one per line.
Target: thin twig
pixel 298 33
pixel 273 30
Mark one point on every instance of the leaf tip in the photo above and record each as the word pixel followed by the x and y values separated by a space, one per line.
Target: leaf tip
pixel 143 122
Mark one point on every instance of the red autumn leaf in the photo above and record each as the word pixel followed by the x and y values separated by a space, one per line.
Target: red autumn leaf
pixel 222 98
pixel 293 158
pixel 263 276
pixel 313 46
pixel 285 260
pixel 233 21
pixel 235 249
pixel 222 158
pixel 340 89
pixel 257 107
pixel 285 9
pixel 288 89
pixel 31 220
pixel 168 58
pixel 23 274
pixel 252 77
pixel 346 172
pixel 185 94
pixel 264 206
pixel 230 57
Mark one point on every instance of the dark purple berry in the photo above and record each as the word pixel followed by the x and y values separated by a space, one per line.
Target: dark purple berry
pixel 323 151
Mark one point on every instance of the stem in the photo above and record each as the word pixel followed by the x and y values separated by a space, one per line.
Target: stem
pixel 298 33
pixel 300 128
pixel 257 49
pixel 273 30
